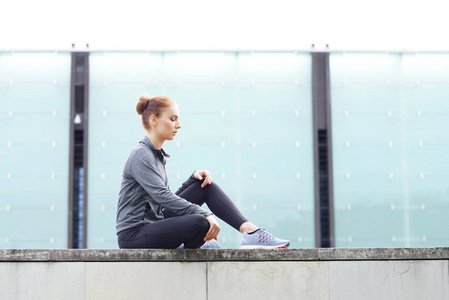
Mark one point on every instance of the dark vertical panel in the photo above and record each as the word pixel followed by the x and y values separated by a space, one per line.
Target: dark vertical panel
pixel 324 224
pixel 86 120
pixel 329 154
pixel 71 153
pixel 78 149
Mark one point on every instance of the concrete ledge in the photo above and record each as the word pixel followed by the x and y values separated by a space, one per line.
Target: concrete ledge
pixel 24 255
pixel 196 255
pixel 313 274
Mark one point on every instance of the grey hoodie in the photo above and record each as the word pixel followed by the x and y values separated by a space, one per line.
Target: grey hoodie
pixel 145 191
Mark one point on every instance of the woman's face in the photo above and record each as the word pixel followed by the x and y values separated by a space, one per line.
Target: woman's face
pixel 168 123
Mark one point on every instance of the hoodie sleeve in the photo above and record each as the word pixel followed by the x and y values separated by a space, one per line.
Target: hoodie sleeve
pixel 186 184
pixel 144 170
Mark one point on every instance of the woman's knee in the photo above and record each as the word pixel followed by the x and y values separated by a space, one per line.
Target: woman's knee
pixel 199 222
pixel 211 185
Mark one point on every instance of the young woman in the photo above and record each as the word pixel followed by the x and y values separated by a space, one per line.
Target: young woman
pixel 149 215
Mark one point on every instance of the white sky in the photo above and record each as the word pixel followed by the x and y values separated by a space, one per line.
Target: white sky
pixel 231 24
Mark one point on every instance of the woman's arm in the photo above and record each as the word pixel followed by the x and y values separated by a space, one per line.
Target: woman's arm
pixel 143 169
pixel 186 184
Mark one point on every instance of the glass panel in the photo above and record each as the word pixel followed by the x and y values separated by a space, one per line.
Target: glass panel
pixel 389 112
pixel 34 149
pixel 246 117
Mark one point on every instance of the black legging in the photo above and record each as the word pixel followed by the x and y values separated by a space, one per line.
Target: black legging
pixel 188 229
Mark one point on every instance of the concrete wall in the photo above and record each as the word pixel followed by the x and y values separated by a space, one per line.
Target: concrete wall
pixel 405 273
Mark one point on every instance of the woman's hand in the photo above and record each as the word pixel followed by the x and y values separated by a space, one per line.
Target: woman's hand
pixel 213 230
pixel 203 174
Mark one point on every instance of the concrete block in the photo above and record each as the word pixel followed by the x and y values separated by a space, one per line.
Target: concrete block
pixel 145 280
pixel 128 255
pixel 113 255
pixel 268 280
pixel 251 254
pixel 383 253
pixel 41 280
pixel 24 255
pixel 395 280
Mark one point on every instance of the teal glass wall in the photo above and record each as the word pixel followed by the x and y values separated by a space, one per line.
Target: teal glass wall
pixel 390 143
pixel 34 149
pixel 245 116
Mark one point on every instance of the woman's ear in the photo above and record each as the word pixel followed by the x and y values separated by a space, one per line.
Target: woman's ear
pixel 153 120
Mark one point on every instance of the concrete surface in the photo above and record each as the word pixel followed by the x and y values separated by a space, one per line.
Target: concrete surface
pixel 337 274
pixel 145 280
pixel 374 280
pixel 268 280
pixel 41 280
pixel 314 254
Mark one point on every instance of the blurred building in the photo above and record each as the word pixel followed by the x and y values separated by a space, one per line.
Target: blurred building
pixel 344 149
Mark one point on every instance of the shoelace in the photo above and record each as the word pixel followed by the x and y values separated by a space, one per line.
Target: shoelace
pixel 265 237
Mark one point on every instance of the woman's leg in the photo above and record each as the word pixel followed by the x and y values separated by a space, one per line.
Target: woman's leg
pixel 167 234
pixel 217 201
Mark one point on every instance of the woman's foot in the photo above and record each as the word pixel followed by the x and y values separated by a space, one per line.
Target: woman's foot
pixel 261 239
pixel 212 244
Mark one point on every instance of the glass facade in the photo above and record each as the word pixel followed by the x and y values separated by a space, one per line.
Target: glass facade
pixel 389 119
pixel 245 116
pixel 34 149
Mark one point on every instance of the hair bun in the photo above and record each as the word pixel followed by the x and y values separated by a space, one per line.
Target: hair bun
pixel 142 104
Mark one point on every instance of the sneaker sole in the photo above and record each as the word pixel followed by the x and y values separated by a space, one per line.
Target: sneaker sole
pixel 264 247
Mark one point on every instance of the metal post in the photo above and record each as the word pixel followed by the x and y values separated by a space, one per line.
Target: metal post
pixel 322 136
pixel 78 150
